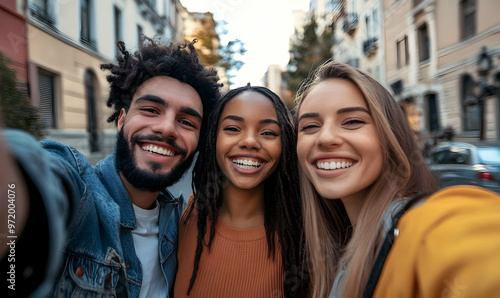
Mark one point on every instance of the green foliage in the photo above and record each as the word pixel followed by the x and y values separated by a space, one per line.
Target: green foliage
pixel 307 52
pixel 229 53
pixel 15 108
pixel 212 52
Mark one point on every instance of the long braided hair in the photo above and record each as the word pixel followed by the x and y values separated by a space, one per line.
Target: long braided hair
pixel 282 208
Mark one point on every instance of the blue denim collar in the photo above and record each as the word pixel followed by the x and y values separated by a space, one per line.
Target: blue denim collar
pixel 109 177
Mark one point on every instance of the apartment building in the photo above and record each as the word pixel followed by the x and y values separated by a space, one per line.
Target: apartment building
pixel 67 43
pixel 433 49
pixel 358 38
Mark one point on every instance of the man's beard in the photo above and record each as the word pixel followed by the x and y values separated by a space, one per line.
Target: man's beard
pixel 151 180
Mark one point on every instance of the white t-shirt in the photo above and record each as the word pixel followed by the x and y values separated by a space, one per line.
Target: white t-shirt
pixel 146 247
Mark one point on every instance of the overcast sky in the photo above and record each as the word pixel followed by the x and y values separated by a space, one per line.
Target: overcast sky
pixel 264 26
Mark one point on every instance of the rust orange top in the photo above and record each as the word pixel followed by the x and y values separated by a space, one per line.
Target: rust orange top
pixel 237 264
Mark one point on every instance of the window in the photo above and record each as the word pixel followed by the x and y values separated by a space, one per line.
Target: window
pixel 403 56
pixel 371 24
pixel 139 36
pixel 370 43
pixel 86 30
pixel 46 87
pixel 468 18
pixel 118 29
pixel 423 43
pixel 43 10
pixel 152 3
pixel 91 113
pixel 432 112
pixel 334 5
pixel 452 156
pixel 489 155
pixel 470 105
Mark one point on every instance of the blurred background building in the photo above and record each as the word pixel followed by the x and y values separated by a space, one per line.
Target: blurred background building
pixel 59 47
pixel 433 50
pixel 427 53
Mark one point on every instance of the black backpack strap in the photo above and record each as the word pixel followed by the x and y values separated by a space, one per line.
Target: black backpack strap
pixel 386 247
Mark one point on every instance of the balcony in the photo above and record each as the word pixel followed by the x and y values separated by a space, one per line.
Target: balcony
pixel 350 23
pixel 370 46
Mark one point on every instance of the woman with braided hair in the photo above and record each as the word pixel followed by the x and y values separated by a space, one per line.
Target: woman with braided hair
pixel 241 232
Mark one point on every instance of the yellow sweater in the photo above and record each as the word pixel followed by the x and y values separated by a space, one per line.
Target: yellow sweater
pixel 237 264
pixel 447 247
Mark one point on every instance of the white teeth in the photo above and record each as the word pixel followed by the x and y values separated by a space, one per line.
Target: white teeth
pixel 158 150
pixel 333 165
pixel 246 164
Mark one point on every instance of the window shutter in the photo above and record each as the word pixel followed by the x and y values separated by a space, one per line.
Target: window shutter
pixel 46 107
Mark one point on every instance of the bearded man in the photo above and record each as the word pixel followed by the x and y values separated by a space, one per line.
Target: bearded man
pixel 118 230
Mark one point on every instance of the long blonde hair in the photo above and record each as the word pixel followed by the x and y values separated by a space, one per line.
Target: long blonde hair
pixel 328 238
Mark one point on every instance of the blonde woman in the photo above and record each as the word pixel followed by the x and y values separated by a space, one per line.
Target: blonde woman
pixel 360 168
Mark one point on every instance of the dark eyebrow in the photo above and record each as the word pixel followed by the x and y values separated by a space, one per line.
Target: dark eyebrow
pixel 352 109
pixel 308 115
pixel 232 117
pixel 159 100
pixel 240 119
pixel 153 98
pixel 272 121
pixel 341 111
pixel 190 111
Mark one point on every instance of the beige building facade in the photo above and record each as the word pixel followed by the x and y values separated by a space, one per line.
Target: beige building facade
pixel 432 49
pixel 67 43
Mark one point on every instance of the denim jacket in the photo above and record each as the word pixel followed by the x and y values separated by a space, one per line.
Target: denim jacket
pixel 99 257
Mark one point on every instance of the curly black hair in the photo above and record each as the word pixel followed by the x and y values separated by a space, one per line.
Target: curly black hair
pixel 178 61
pixel 282 207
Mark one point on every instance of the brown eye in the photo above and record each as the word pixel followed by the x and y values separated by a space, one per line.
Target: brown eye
pixel 149 110
pixel 270 133
pixel 354 122
pixel 231 128
pixel 309 127
pixel 187 123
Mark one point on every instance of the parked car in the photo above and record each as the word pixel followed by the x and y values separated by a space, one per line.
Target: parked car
pixel 455 163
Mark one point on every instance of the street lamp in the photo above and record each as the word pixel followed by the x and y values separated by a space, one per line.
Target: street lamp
pixel 485 65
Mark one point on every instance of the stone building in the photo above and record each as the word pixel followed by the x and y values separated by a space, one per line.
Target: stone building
pixel 67 41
